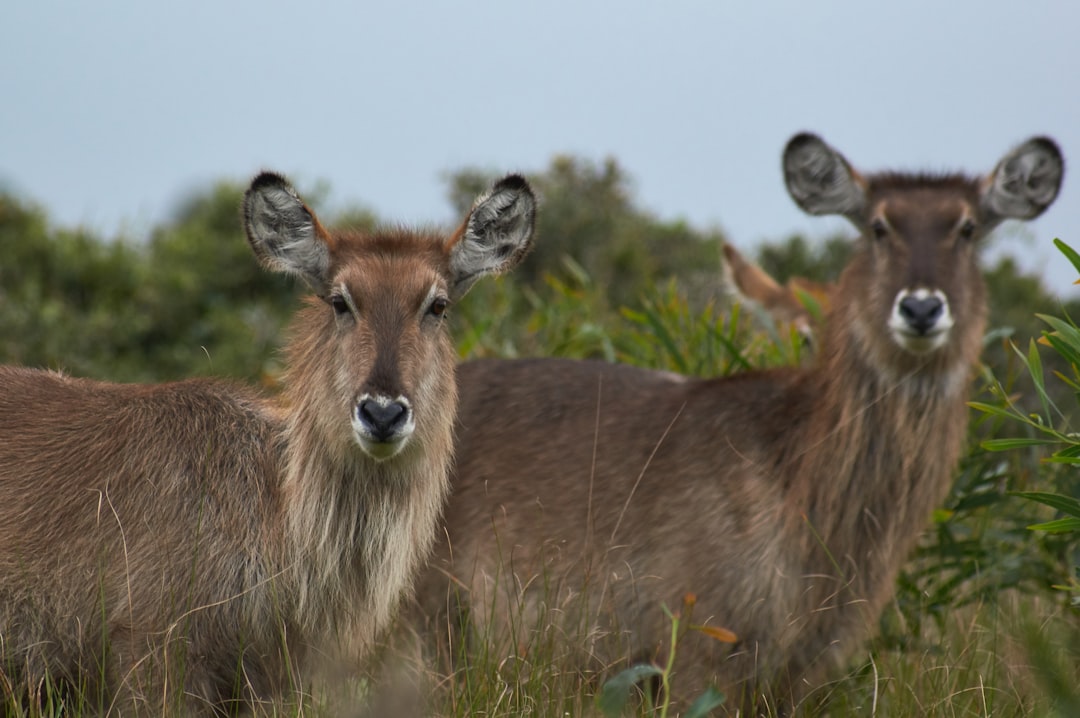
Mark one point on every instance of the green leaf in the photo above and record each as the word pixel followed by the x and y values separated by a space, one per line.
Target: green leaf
pixel 615 695
pixel 705 704
pixel 1072 452
pixel 1019 443
pixel 1036 368
pixel 1063 348
pixel 1034 364
pixel 1065 331
pixel 1058 525
pixel 1066 380
pixel 992 410
pixel 1065 504
pixel 1068 252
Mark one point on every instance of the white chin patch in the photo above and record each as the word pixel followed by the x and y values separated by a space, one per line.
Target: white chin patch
pixel 920 343
pixel 380 450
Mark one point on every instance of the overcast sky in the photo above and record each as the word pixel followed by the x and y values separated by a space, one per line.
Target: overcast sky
pixel 112 112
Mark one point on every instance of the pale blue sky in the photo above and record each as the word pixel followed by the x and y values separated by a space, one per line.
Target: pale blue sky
pixel 111 112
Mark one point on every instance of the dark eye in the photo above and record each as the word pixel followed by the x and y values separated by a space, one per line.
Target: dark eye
pixel 439 306
pixel 339 305
pixel 879 229
pixel 967 229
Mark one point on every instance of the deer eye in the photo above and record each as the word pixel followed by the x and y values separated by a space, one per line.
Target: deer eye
pixel 879 229
pixel 339 305
pixel 439 306
pixel 967 229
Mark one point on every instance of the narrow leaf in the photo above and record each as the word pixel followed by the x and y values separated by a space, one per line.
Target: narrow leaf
pixel 1006 444
pixel 1068 252
pixel 1068 352
pixel 1066 380
pixel 1036 368
pixel 992 410
pixel 1067 332
pixel 1060 458
pixel 1071 452
pixel 1065 504
pixel 1058 525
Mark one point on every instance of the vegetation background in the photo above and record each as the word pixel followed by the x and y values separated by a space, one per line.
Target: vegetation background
pixel 977 627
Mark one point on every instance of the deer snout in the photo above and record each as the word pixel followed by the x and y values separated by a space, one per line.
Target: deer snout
pixel 382 425
pixel 921 320
pixel 921 314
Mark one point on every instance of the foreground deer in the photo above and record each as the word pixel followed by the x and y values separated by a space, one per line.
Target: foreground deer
pixel 185 545
pixel 587 495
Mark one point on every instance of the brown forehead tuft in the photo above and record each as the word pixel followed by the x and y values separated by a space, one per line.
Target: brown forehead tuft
pixel 957 184
pixel 391 244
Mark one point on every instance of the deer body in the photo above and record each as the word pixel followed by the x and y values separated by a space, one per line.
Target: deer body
pixel 188 545
pixel 586 495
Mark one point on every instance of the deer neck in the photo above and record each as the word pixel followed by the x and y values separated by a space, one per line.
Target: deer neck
pixel 357 528
pixel 887 432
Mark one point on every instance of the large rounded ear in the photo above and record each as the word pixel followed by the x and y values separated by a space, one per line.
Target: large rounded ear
pixel 1024 183
pixel 284 234
pixel 820 180
pixel 495 236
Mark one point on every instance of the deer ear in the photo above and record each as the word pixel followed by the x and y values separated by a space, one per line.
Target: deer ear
pixel 748 280
pixel 284 234
pixel 1025 182
pixel 820 180
pixel 495 236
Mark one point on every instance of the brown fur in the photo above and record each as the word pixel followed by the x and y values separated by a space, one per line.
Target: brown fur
pixel 587 495
pixel 193 545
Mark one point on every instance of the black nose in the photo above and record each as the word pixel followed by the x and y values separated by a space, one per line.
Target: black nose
pixel 921 314
pixel 383 420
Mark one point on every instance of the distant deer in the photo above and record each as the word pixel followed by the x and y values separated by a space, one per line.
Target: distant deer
pixel 784 304
pixel 188 546
pixel 586 495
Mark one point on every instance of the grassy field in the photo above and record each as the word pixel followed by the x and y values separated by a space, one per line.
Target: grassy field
pixel 1018 657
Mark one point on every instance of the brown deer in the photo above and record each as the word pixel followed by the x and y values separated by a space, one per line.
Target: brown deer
pixel 784 304
pixel 191 546
pixel 587 495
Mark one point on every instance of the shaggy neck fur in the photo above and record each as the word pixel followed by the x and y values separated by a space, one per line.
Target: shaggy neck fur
pixel 887 432
pixel 357 529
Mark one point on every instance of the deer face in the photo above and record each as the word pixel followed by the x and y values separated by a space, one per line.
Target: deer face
pixel 916 278
pixel 386 310
pixel 922 244
pixel 377 349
